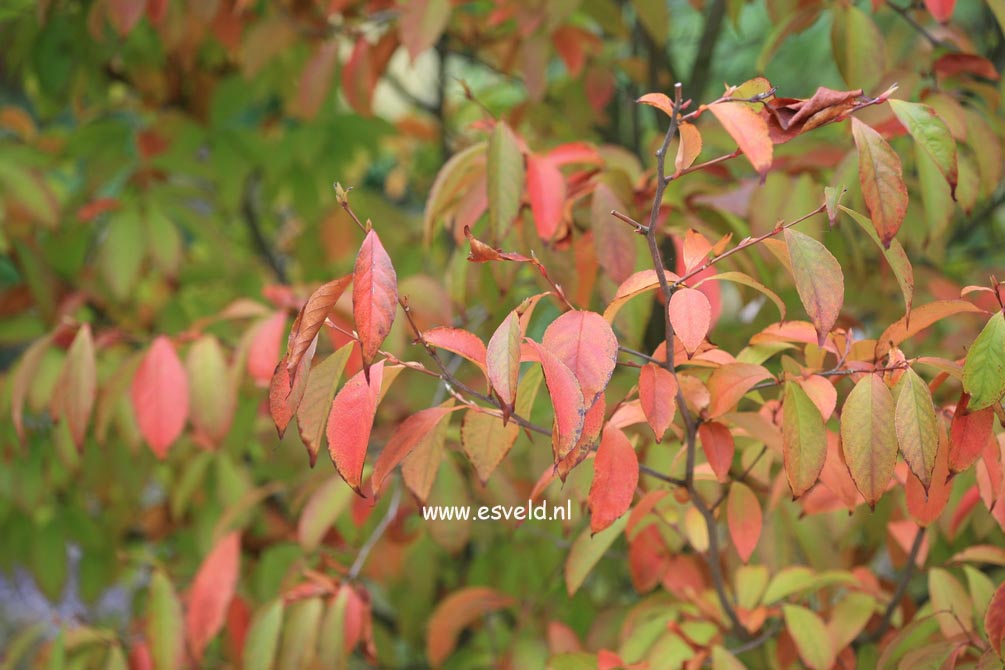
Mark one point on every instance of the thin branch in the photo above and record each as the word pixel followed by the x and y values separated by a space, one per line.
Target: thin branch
pixel 656 474
pixel 706 47
pixel 905 13
pixel 371 542
pixel 899 591
pixel 249 210
pixel 741 477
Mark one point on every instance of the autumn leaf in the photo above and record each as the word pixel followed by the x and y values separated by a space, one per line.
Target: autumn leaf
pixel 502 361
pixel 810 636
pixel 263 352
pixel 984 369
pixel 316 78
pixel 374 295
pixel 165 628
pixel 311 318
pixel 587 345
pixel 455 613
pixel 284 399
pixel 931 134
pixel 719 447
pixel 410 434
pixel 688 148
pixel 315 404
pixel 881 177
pixel 566 399
pixel 894 254
pixel 748 130
pixel 691 316
pixel 458 341
pixel 546 192
pixel 211 592
pixel 819 280
pixel 73 397
pixel 323 508
pixel 421 24
pixel 504 177
pixel 658 397
pixel 868 436
pixel 994 620
pixel 350 421
pixel 804 440
pixel 941 11
pixel 917 426
pixel 729 383
pixel 587 550
pixel 969 431
pixel 160 396
pixel 615 476
pixel 613 240
pixel 212 402
pixel 743 515
pixel 641 282
pixel 920 319
pixel 658 100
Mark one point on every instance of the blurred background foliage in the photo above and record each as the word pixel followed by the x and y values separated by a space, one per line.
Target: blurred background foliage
pixel 166 166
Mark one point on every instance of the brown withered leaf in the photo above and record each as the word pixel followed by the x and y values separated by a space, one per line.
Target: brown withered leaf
pixel 789 117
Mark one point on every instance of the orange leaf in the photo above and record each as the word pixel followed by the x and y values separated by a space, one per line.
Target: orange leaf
pixel 211 593
pixel 457 611
pixel 566 399
pixel 637 284
pixel 461 342
pixel 263 352
pixel 410 433
pixel 749 131
pixel 881 176
pixel 658 100
pixel 868 436
pixel 743 513
pixel 546 192
pixel 919 319
pixel 969 432
pixel 374 295
pixel 284 399
pixel 691 316
pixel 730 382
pixel 308 323
pixel 689 147
pixel 717 442
pixel 587 345
pixel 502 360
pixel 350 422
pixel 615 476
pixel 925 507
pixel 822 392
pixel 160 396
pixel 658 397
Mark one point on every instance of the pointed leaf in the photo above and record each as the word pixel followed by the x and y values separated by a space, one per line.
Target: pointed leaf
pixel 729 383
pixel 73 397
pixel 932 135
pixel 639 283
pixel 421 24
pixel 315 405
pixel 881 176
pixel 994 620
pixel 312 316
pixel 810 635
pixel 455 613
pixel 719 447
pixel 546 192
pixel 743 512
pixel 504 178
pixel 263 352
pixel 893 253
pixel 689 147
pixel 350 421
pixel 213 402
pixel 969 432
pixel 262 641
pixel 22 380
pixel 804 440
pixel 691 316
pixel 747 280
pixel 284 399
pixel 323 508
pixel 984 370
pixel 920 319
pixel 586 552
pixel 410 434
pixel 457 341
pixel 502 360
pixel 749 130
pixel 211 592
pixel 164 625
pixel 615 476
pixel 868 436
pixel 917 426
pixel 819 280
pixel 587 345
pixel 374 295
pixel 566 399
pixel 658 397
pixel 160 396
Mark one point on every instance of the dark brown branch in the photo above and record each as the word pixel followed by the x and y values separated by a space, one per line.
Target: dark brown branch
pixel 899 591
pixel 249 211
pixel 706 47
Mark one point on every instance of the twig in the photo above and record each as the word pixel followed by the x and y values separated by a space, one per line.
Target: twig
pixel 371 542
pixel 743 476
pixel 904 13
pixel 249 211
pixel 656 474
pixel 706 47
pixel 899 591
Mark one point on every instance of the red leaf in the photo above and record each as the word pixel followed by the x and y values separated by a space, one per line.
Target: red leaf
pixel 881 177
pixel 502 360
pixel 350 422
pixel 125 14
pixel 357 78
pixel 615 476
pixel 691 316
pixel 211 593
pixel 457 611
pixel 941 10
pixel 374 295
pixel 461 342
pixel 316 79
pixel 658 397
pixel 160 396
pixel 743 513
pixel 648 556
pixel 719 447
pixel 749 131
pixel 409 434
pixel 263 353
pixel 952 64
pixel 924 507
pixel 994 620
pixel 587 345
pixel 312 316
pixel 969 432
pixel 546 191
pixel 421 23
pixel 593 424
pixel 566 398
pixel 284 400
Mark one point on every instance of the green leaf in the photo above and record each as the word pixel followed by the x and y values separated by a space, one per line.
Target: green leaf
pixel 984 370
pixel 804 439
pixel 121 254
pixel 587 550
pixel 262 640
pixel 930 132
pixel 573 661
pixel 505 179
pixel 300 634
pixel 950 603
pixel 810 636
pixel 868 436
pixel 165 629
pixel 917 426
pixel 859 47
pixel 819 280
pixel 894 255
